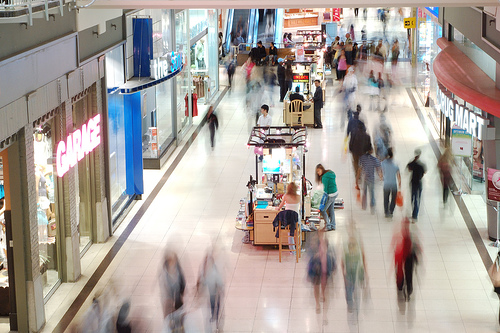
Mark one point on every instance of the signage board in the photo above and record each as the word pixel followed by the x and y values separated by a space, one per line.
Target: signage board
pixel 166 64
pixel 410 23
pixel 336 14
pixel 299 53
pixel 461 142
pixel 460 115
pixel 493 184
pixel 300 77
pixel 78 144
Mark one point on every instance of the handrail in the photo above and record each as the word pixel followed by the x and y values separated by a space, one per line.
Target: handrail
pixel 10 5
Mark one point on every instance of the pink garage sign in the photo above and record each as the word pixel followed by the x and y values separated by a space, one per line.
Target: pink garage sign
pixel 78 144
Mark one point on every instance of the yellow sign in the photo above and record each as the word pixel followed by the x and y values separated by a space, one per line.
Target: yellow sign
pixel 410 22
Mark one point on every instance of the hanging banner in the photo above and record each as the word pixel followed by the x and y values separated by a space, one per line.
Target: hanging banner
pixel 461 142
pixel 493 184
pixel 299 53
pixel 335 14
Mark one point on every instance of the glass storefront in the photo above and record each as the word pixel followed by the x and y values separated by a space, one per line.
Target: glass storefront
pixel 115 77
pixel 197 21
pixel 213 53
pixel 182 79
pixel 82 111
pixel 427 33
pixel 46 205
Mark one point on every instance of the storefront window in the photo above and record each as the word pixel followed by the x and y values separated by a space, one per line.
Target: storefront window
pixel 428 33
pixel 164 115
pixel 46 205
pixel 472 167
pixel 213 53
pixel 83 185
pixel 197 21
pixel 116 132
pixel 182 79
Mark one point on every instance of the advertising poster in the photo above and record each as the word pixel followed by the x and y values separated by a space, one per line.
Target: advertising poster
pixel 461 142
pixel 299 53
pixel 493 184
pixel 477 159
pixel 335 14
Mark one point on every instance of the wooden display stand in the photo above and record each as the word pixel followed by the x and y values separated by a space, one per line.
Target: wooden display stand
pixel 263 226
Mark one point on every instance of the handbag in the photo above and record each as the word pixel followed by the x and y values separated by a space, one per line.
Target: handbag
pixel 324 200
pixel 494 274
pixel 399 199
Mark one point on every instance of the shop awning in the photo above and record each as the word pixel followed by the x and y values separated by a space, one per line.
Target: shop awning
pixel 465 79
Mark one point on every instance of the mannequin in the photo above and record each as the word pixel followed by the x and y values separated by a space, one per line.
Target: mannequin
pixel 200 54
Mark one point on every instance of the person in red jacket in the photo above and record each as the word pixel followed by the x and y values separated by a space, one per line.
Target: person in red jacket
pixel 406 252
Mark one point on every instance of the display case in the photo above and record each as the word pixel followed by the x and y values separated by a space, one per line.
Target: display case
pixel 283 161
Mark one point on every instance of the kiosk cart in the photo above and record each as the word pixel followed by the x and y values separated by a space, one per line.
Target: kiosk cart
pixel 283 150
pixel 304 73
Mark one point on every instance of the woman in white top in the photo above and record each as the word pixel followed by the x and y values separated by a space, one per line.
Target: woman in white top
pixel 292 201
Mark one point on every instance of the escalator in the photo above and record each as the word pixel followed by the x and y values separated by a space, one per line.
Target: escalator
pixel 252 25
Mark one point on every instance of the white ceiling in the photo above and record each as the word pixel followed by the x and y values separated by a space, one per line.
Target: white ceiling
pixel 180 4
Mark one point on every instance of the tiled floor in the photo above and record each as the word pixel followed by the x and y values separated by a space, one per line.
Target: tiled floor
pixel 197 207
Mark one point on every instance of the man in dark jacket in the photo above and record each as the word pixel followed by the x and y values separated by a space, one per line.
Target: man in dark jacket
pixel 262 52
pixel 297 95
pixel 418 170
pixel 318 104
pixel 359 144
pixel 281 79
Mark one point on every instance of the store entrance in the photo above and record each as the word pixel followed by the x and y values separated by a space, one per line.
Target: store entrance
pixel 7 289
pixel 84 191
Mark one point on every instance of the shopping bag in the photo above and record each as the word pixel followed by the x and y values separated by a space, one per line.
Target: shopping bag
pixel 399 199
pixel 323 201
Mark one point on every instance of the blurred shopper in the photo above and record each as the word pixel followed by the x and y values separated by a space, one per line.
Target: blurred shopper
pixel 418 170
pixel 99 317
pixel 382 138
pixel 353 268
pixel 291 200
pixel 406 255
pixel 445 165
pixel 211 277
pixel 122 322
pixel 349 54
pixel 230 68
pixel 368 164
pixel 394 57
pixel 172 284
pixel 273 55
pixel 321 266
pixel 359 144
pixel 373 91
pixel 318 104
pixel 494 273
pixel 392 181
pixel 288 75
pixel 380 52
pixel 213 124
pixel 328 179
pixel 281 79
pixel 341 65
pixel 349 87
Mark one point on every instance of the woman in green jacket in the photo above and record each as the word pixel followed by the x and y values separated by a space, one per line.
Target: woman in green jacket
pixel 327 177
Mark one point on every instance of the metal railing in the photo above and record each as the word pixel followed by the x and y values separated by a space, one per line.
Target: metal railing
pixel 29 5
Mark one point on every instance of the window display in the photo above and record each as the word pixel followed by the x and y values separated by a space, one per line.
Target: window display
pixel 182 79
pixel 46 205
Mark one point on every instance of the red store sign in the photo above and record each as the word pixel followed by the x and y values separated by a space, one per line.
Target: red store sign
pixel 301 77
pixel 78 144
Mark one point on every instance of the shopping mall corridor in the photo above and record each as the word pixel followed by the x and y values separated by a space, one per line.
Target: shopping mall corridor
pixel 197 206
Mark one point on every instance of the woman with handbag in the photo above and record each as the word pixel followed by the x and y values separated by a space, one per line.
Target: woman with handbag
pixel 327 177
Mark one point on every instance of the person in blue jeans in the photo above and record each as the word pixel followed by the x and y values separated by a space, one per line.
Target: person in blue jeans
pixel 418 170
pixel 327 178
pixel 367 166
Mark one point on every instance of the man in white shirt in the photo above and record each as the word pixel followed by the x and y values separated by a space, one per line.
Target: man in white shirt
pixel 264 120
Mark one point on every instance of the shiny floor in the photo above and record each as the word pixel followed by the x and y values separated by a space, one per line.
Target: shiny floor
pixel 198 205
